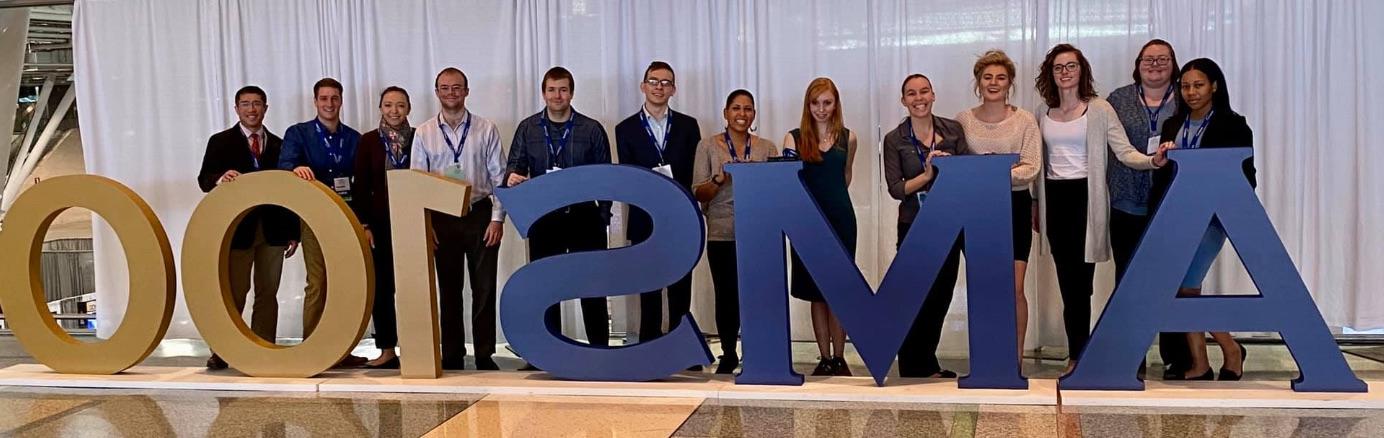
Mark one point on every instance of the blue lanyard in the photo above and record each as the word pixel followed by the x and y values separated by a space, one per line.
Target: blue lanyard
pixel 335 152
pixel 667 127
pixel 555 152
pixel 730 147
pixel 465 131
pixel 1195 141
pixel 1153 115
pixel 918 144
pixel 400 162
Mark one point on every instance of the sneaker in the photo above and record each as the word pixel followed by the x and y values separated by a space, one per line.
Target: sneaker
pixel 825 367
pixel 839 365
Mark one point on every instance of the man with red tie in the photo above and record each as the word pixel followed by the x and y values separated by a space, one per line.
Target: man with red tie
pixel 268 234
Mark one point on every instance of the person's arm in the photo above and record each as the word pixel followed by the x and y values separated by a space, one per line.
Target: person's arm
pixel 495 169
pixel 893 171
pixel 291 155
pixel 1030 154
pixel 363 189
pixel 850 156
pixel 518 166
pixel 704 188
pixel 789 144
pixel 624 150
pixel 418 155
pixel 211 172
pixel 600 154
pixel 1118 142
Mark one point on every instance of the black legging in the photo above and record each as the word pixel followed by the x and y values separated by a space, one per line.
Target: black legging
pixel 721 256
pixel 918 356
pixel 1066 229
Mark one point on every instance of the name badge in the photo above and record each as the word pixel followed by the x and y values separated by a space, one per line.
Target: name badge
pixel 1152 146
pixel 554 169
pixel 665 170
pixel 341 184
pixel 453 171
pixel 921 196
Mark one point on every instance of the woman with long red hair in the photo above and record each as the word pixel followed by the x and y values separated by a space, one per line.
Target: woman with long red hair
pixel 827 150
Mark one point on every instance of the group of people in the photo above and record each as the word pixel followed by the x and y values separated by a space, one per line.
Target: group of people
pixel 1090 174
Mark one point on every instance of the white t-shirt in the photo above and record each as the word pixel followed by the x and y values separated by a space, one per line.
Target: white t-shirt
pixel 1066 148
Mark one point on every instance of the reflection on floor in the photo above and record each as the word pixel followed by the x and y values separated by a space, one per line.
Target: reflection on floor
pixel 144 413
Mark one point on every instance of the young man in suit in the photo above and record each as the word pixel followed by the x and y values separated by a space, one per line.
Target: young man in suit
pixel 665 141
pixel 268 234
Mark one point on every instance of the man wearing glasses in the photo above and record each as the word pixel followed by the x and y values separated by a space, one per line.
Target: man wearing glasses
pixel 461 145
pixel 268 234
pixel 665 141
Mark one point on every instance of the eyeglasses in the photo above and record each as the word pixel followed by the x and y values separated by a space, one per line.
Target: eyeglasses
pixel 1161 60
pixel 453 88
pixel 651 82
pixel 250 104
pixel 1070 66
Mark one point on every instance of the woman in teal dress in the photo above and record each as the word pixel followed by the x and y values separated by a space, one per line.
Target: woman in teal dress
pixel 827 150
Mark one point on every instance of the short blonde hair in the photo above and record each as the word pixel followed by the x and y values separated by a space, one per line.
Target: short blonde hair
pixel 993 57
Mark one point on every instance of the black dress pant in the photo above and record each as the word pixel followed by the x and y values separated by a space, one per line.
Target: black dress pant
pixel 651 302
pixel 1066 228
pixel 576 228
pixel 725 279
pixel 918 356
pixel 462 240
pixel 386 325
pixel 1125 232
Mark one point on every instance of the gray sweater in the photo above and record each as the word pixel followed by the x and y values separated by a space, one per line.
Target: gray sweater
pixel 901 161
pixel 1129 187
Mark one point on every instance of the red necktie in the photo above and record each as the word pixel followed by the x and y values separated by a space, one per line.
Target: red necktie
pixel 255 145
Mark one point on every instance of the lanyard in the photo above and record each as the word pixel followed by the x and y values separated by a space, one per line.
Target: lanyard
pixel 1153 115
pixel 555 151
pixel 1194 141
pixel 465 131
pixel 918 145
pixel 335 152
pixel 730 147
pixel 399 162
pixel 667 127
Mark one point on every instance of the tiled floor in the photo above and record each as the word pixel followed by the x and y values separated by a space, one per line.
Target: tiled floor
pixel 149 413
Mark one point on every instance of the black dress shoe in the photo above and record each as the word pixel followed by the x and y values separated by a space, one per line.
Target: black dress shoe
pixel 391 364
pixel 838 365
pixel 1228 375
pixel 529 367
pixel 825 367
pixel 728 365
pixel 458 365
pixel 695 368
pixel 486 364
pixel 214 363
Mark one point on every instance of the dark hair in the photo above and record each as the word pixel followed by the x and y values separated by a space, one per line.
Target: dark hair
pixel 394 88
pixel 465 80
pixel 660 65
pixel 1046 83
pixel 326 82
pixel 1220 100
pixel 1153 42
pixel 903 88
pixel 250 89
pixel 738 93
pixel 557 73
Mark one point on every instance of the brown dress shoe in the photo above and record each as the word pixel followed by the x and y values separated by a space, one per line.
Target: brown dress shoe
pixel 351 361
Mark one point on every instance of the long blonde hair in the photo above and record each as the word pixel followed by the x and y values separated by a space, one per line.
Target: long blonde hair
pixel 808 137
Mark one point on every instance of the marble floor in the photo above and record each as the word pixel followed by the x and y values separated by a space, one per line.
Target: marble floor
pixel 149 413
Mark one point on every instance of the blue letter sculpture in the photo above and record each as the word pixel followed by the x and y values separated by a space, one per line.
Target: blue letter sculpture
pixel 668 254
pixel 971 200
pixel 1209 184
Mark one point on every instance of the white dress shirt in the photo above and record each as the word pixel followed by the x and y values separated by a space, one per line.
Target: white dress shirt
pixel 481 160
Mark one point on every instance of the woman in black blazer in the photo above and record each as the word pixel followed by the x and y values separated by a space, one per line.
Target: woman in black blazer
pixel 1204 119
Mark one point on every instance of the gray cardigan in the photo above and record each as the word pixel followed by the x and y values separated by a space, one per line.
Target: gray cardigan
pixel 901 160
pixel 1103 131
pixel 1130 188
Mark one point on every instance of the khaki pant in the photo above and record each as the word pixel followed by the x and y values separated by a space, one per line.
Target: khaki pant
pixel 314 294
pixel 260 265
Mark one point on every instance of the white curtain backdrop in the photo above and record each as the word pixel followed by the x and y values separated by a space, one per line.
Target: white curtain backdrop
pixel 155 78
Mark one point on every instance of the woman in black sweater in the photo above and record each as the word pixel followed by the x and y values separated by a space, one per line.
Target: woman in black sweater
pixel 1204 119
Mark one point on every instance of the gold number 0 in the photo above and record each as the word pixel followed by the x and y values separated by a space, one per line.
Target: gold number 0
pixel 206 283
pixel 152 283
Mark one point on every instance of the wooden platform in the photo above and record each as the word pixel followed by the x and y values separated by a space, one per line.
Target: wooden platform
pixel 1041 392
